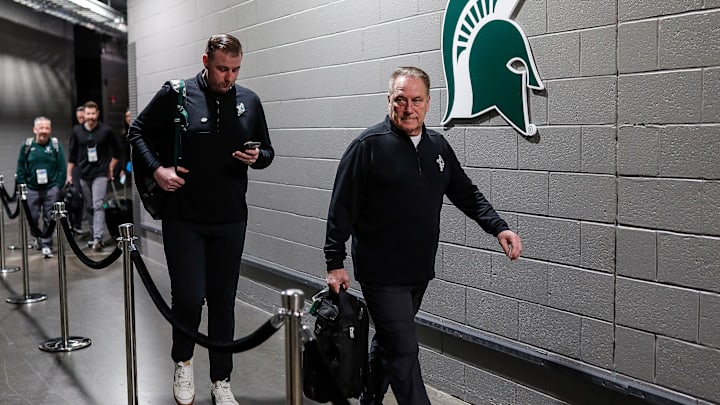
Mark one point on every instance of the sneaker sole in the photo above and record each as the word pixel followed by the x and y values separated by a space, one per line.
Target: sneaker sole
pixel 189 403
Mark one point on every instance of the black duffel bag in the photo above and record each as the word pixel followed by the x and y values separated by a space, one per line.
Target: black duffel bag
pixel 341 331
pixel 118 211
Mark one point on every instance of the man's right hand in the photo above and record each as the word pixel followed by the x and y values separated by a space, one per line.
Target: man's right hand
pixel 68 179
pixel 167 178
pixel 336 278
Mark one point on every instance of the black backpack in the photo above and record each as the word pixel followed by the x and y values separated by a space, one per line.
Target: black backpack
pixel 72 197
pixel 341 331
pixel 151 195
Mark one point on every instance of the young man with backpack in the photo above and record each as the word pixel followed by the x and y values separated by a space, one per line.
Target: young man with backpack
pixel 196 140
pixel 41 166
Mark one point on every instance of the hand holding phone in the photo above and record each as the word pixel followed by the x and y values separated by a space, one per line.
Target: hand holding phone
pixel 251 145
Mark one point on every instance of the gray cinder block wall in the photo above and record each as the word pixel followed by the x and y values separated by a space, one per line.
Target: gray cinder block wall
pixel 617 201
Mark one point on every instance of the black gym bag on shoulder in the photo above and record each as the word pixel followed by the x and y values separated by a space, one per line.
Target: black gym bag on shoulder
pixel 341 331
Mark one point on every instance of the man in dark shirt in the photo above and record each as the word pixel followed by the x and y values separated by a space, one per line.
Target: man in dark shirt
pixel 94 149
pixel 388 194
pixel 204 215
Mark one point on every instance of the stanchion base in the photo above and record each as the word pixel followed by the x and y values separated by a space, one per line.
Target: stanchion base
pixel 55 345
pixel 26 299
pixel 4 270
pixel 15 247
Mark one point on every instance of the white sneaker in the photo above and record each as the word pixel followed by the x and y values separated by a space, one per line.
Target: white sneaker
pixel 183 383
pixel 221 394
pixel 47 252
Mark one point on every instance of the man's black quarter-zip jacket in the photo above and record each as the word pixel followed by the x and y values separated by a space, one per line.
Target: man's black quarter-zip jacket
pixel 218 124
pixel 388 195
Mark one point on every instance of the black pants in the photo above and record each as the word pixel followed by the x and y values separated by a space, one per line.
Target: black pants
pixel 394 348
pixel 204 265
pixel 75 213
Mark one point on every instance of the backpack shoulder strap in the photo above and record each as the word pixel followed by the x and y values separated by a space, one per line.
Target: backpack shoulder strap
pixel 28 144
pixel 55 144
pixel 181 117
pixel 178 85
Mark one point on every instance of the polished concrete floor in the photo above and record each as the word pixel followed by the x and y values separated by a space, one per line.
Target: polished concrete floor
pixel 97 374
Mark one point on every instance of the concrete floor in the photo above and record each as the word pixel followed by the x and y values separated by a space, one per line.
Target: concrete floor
pixel 97 374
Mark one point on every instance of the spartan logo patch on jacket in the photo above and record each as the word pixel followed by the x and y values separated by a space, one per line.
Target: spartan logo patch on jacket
pixel 488 63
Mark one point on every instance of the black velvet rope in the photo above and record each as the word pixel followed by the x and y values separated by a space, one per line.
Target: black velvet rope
pixel 312 349
pixel 34 230
pixel 11 215
pixel 248 342
pixel 110 259
pixel 7 196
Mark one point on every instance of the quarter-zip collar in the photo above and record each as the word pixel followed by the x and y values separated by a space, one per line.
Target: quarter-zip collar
pixel 202 84
pixel 399 132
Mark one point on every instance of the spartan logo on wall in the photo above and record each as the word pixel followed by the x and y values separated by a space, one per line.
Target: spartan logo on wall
pixel 487 61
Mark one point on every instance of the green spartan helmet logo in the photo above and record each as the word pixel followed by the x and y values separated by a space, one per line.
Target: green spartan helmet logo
pixel 487 61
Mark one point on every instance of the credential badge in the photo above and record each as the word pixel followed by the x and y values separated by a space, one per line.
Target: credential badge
pixel 441 163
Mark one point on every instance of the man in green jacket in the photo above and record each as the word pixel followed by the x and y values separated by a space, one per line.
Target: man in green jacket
pixel 41 166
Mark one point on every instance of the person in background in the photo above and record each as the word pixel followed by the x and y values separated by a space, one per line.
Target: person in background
pixel 388 194
pixel 94 149
pixel 74 199
pixel 41 166
pixel 80 114
pixel 205 213
pixel 123 169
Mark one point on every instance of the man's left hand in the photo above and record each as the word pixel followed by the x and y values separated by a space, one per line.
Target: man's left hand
pixel 511 244
pixel 248 156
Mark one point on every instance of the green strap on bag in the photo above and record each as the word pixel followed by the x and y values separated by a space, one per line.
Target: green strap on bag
pixel 180 120
pixel 151 195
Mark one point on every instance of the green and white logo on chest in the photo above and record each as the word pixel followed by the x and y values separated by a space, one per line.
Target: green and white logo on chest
pixel 488 63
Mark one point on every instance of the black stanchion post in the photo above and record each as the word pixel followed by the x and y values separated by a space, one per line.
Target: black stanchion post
pixel 3 268
pixel 293 301
pixel 27 297
pixel 127 240
pixel 64 343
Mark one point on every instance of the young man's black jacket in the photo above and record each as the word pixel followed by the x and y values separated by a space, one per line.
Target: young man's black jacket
pixel 388 195
pixel 218 125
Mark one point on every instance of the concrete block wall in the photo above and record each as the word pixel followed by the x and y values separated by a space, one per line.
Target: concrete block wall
pixel 616 200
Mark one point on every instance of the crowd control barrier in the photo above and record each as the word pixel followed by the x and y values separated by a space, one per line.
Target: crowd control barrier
pixel 27 297
pixel 64 343
pixel 127 240
pixel 298 337
pixel 290 314
pixel 6 200
pixel 4 269
pixel 5 195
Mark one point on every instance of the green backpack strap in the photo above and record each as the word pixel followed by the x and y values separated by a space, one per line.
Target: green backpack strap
pixel 180 120
pixel 28 144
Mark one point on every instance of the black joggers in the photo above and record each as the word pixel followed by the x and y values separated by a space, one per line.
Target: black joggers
pixel 204 265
